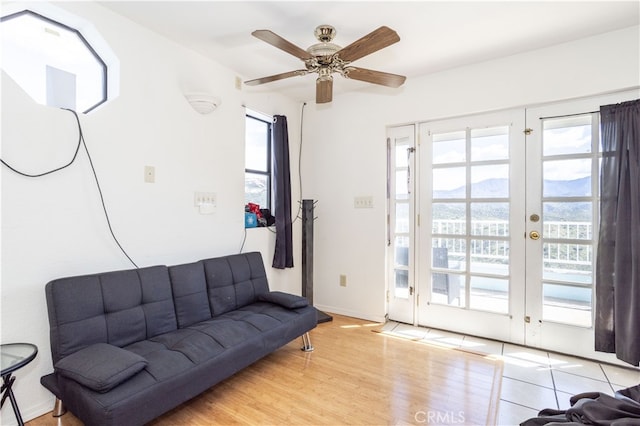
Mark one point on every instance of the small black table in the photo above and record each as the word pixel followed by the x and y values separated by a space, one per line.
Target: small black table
pixel 12 357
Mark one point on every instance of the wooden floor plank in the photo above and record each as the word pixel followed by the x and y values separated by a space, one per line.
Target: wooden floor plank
pixel 354 377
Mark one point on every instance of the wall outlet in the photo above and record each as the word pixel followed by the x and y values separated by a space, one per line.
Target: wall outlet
pixel 238 83
pixel 363 202
pixel 343 280
pixel 149 174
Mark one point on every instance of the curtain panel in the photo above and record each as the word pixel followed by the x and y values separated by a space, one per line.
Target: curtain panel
pixel 617 324
pixel 283 255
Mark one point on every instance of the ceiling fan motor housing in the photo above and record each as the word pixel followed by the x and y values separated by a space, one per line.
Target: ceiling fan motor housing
pixel 325 49
pixel 325 33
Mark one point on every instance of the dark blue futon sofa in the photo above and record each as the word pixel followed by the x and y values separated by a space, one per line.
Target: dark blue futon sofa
pixel 128 346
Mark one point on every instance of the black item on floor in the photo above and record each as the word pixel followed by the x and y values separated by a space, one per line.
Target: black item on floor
pixel 595 408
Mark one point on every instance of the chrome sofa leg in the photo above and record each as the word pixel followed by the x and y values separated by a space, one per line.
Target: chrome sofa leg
pixel 306 343
pixel 58 408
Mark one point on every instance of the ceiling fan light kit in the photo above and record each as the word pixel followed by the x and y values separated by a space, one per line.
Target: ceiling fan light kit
pixel 326 58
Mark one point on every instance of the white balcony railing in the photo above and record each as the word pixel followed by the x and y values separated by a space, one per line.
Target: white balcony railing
pixel 570 255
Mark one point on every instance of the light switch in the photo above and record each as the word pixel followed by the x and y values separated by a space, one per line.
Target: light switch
pixel 363 202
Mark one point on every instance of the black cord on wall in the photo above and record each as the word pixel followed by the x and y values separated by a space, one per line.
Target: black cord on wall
pixel 82 142
pixel 300 164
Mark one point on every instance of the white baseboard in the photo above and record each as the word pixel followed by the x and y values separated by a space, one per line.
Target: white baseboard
pixel 28 413
pixel 348 313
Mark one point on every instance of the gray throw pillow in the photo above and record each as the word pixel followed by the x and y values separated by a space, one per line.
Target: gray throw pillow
pixel 100 366
pixel 286 300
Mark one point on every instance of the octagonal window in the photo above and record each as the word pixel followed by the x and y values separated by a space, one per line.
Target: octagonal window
pixel 53 62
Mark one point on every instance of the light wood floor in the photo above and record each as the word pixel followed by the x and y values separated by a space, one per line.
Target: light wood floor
pixel 354 376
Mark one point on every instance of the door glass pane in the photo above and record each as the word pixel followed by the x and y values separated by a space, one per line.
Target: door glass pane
pixel 449 148
pixel 490 219
pixel 490 257
pixel 567 220
pixel 490 181
pixel 402 186
pixel 402 218
pixel 402 157
pixel 567 178
pixel 448 289
pixel 401 284
pixel 449 218
pixel 490 144
pixel 569 135
pixel 568 262
pixel 449 253
pixel 449 182
pixel 402 251
pixel 567 304
pixel 489 294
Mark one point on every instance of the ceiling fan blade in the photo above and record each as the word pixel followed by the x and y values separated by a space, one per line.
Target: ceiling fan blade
pixel 372 42
pixel 324 90
pixel 282 44
pixel 275 77
pixel 375 77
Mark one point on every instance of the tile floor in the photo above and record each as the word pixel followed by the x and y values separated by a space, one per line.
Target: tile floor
pixel 532 379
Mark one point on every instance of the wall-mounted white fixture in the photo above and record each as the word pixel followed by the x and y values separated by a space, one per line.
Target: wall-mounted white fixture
pixel 206 202
pixel 202 102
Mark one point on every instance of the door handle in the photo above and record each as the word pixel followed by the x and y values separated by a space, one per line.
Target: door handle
pixel 534 235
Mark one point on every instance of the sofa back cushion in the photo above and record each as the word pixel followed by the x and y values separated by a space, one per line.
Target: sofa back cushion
pixel 118 308
pixel 234 281
pixel 189 293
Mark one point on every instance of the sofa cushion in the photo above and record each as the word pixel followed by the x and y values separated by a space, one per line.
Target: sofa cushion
pixel 234 281
pixel 189 293
pixel 100 366
pixel 286 300
pixel 117 307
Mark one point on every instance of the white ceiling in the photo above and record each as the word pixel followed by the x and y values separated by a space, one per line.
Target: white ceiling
pixel 434 35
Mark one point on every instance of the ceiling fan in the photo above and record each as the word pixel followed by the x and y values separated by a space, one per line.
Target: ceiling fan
pixel 326 58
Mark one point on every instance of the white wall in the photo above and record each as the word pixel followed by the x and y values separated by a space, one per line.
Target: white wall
pixel 54 226
pixel 345 147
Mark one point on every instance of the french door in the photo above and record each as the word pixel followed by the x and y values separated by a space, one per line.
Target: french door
pixel 500 225
pixel 562 216
pixel 401 294
pixel 471 246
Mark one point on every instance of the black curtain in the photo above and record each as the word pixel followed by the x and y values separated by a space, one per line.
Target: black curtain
pixel 617 326
pixel 283 255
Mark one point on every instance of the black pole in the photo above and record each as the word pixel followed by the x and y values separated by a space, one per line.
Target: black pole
pixel 307 256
